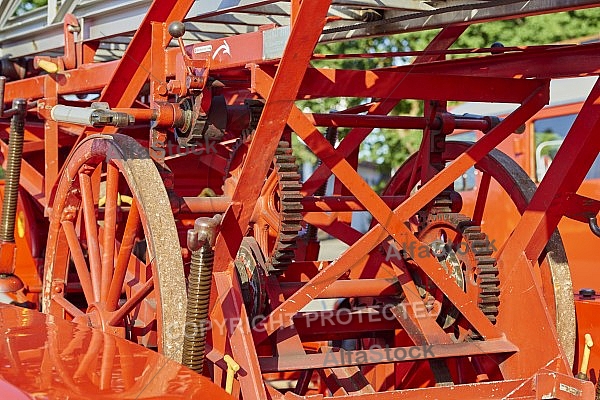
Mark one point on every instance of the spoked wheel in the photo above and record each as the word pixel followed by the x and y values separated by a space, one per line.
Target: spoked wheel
pixel 506 186
pixel 113 258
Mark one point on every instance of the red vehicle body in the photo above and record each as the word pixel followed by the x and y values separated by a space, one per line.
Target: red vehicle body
pixel 47 358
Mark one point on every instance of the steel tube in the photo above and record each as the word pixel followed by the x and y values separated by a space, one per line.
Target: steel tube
pixel 350 288
pixel 343 203
pixel 394 122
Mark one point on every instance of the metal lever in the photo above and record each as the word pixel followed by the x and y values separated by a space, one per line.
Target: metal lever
pixel 232 369
pixel 594 226
pixel 589 343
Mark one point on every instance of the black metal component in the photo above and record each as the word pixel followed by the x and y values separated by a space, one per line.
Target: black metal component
pixel 201 240
pixel 594 226
pixel 13 172
pixel 177 29
pixel 587 293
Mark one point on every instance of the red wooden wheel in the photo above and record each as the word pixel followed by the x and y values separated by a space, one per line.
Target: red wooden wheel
pixel 113 259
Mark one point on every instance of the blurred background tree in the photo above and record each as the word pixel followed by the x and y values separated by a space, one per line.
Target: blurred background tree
pixel 389 148
pixel 27 5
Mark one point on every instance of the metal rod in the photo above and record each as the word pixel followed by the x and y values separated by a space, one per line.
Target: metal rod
pixel 394 122
pixel 343 203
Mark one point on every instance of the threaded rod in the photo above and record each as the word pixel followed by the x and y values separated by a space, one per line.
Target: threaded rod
pixel 196 326
pixel 13 172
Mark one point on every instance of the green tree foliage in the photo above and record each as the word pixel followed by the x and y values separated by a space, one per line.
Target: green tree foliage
pixel 389 148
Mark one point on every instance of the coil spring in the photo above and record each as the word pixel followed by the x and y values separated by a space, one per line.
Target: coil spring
pixel 197 308
pixel 13 172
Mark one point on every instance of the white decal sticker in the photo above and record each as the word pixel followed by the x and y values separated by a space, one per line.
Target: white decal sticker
pixel 203 49
pixel 224 47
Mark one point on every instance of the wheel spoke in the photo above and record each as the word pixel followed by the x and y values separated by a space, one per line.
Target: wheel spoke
pixel 110 222
pixel 91 355
pixel 66 305
pixel 91 231
pixel 79 261
pixel 484 188
pixel 108 357
pixel 116 286
pixel 132 302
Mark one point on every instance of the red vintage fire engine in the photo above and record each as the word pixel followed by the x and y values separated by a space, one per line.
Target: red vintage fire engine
pixel 151 192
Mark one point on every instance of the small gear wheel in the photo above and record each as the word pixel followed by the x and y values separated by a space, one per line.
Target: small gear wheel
pixel 465 253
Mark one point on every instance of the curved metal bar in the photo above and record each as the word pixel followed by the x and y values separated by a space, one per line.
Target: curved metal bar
pixel 594 226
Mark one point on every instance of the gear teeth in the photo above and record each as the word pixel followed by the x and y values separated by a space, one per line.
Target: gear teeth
pixel 290 207
pixel 491 299
pixel 478 243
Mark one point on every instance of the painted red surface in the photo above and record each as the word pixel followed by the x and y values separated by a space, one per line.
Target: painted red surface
pixel 43 357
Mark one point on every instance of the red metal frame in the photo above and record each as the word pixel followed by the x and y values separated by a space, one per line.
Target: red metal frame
pixel 506 361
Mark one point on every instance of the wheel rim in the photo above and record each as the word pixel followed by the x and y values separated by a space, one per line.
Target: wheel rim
pixel 555 273
pixel 128 279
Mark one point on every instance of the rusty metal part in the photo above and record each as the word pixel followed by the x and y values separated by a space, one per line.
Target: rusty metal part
pixel 464 251
pixel 289 208
pixel 9 282
pixel 557 285
pixel 200 240
pixel 278 214
pixel 252 272
pixel 202 122
pixel 144 303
